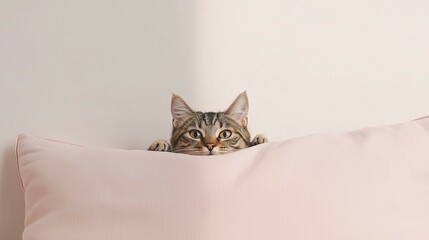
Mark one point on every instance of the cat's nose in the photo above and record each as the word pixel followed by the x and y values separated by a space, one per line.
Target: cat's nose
pixel 210 146
pixel 210 142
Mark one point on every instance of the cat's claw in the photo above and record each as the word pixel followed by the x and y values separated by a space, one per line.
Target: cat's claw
pixel 259 139
pixel 161 146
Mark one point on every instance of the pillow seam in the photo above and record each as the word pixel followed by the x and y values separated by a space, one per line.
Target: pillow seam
pixel 17 160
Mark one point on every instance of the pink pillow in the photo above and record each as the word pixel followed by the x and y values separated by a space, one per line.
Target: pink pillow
pixel 367 184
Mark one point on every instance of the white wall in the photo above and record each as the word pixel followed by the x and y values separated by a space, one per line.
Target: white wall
pixel 315 66
pixel 101 73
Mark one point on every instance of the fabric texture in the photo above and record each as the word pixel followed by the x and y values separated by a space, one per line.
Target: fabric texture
pixel 367 184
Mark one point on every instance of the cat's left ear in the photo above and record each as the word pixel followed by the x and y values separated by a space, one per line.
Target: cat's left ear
pixel 238 109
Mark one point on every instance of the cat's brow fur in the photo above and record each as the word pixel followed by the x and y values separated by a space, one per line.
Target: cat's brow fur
pixel 210 125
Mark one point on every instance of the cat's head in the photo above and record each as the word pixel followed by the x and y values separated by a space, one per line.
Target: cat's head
pixel 209 133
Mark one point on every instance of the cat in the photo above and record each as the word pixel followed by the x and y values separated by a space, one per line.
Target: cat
pixel 208 133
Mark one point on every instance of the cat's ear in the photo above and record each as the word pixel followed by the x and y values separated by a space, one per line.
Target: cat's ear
pixel 238 109
pixel 180 110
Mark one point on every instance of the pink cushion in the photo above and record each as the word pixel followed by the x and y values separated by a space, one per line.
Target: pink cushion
pixel 367 184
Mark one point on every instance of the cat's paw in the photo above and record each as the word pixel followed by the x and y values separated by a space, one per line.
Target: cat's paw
pixel 259 139
pixel 160 145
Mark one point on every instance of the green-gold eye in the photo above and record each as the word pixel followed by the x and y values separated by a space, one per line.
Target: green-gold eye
pixel 225 134
pixel 195 134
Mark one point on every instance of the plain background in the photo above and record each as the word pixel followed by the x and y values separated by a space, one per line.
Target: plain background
pixel 101 73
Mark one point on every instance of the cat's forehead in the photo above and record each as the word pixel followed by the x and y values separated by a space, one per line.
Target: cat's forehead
pixel 209 119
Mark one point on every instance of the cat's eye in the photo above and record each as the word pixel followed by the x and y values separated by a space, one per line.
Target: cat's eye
pixel 195 134
pixel 225 134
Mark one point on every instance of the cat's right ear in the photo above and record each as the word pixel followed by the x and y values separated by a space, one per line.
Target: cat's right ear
pixel 239 109
pixel 180 110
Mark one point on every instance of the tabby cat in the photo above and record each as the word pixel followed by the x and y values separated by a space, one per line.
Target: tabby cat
pixel 208 133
